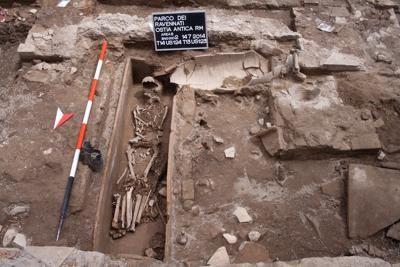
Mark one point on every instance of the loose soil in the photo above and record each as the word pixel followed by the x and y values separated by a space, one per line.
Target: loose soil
pixel 295 216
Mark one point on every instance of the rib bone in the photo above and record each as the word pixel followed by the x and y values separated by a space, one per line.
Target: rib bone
pixel 140 120
pixel 140 135
pixel 134 117
pixel 122 176
pixel 163 118
pixel 149 165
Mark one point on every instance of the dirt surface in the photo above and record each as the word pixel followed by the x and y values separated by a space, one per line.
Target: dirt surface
pixel 298 206
pixel 36 166
pixel 36 158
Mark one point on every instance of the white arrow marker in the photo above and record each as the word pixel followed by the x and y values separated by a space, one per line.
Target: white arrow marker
pixel 61 118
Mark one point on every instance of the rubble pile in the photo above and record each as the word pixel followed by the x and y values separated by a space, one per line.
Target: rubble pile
pixel 15 24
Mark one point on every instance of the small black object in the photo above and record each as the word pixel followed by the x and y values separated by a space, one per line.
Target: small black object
pixel 91 157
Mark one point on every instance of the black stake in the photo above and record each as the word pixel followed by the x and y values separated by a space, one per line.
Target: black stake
pixel 64 206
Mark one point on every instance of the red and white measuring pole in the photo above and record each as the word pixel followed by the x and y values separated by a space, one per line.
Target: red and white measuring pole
pixel 81 136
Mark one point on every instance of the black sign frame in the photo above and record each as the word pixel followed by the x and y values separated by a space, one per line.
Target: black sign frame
pixel 182 47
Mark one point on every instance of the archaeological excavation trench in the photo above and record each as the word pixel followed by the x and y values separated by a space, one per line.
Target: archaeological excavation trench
pixel 215 161
pixel 278 144
pixel 135 175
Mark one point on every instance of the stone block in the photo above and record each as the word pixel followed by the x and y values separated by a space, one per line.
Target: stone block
pixel 273 141
pixel 20 241
pixel 52 256
pixel 26 51
pixel 311 117
pixel 342 62
pixel 394 231
pixel 219 258
pixel 373 195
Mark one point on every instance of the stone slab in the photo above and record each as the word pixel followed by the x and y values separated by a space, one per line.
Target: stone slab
pixel 26 50
pixel 394 231
pixel 342 62
pixel 52 44
pixel 231 239
pixel 19 258
pixel 273 140
pixel 315 58
pixel 245 25
pixel 52 256
pixel 242 215
pixel 72 40
pixel 385 3
pixel 137 28
pixel 354 261
pixel 20 241
pixel 219 258
pixel 373 195
pixel 223 70
pixel 313 119
pixel 62 256
pixel 9 235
